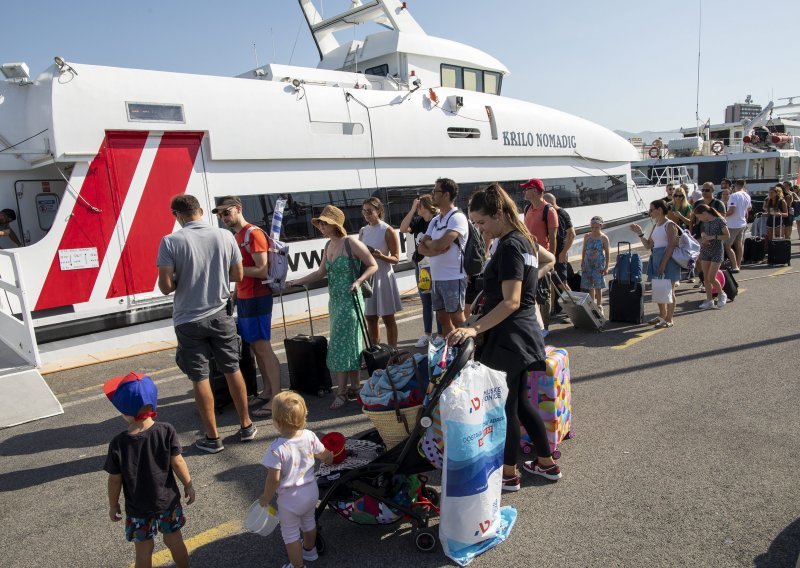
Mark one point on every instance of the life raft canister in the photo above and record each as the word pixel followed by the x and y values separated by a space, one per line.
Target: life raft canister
pixel 717 147
pixel 653 152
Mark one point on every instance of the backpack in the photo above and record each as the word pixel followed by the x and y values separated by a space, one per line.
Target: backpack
pixel 473 255
pixel 688 249
pixel 277 259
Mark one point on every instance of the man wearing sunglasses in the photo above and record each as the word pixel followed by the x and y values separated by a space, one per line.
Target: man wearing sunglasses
pixel 198 263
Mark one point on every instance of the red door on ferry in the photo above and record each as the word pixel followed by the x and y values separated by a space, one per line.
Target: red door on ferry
pixel 169 165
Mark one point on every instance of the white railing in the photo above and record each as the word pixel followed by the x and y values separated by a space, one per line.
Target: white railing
pixel 16 325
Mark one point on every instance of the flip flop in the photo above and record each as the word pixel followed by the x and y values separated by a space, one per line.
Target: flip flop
pixel 339 401
pixel 352 394
pixel 258 399
pixel 262 412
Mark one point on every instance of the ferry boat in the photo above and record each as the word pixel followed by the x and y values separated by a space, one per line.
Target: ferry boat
pixel 763 150
pixel 90 157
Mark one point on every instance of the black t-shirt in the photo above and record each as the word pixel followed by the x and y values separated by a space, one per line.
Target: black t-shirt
pixel 516 343
pixel 419 227
pixel 144 461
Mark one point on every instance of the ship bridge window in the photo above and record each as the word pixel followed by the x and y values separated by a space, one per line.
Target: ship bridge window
pixel 380 70
pixel 470 79
pixel 155 112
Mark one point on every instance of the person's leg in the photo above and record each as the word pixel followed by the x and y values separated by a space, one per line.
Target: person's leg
pixel 355 380
pixel 427 313
pixel 144 553
pixel 444 321
pixel 738 249
pixel 713 285
pixel 270 369
pixel 511 448
pixel 180 555
pixel 391 329
pixel 532 421
pixel 671 306
pixel 226 347
pixel 295 552
pixel 204 400
pixel 709 279
pixel 730 254
pixel 373 329
pixel 454 298
pixel 341 390
pixel 238 392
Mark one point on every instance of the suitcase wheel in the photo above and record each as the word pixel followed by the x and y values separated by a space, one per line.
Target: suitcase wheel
pixel 321 392
pixel 569 435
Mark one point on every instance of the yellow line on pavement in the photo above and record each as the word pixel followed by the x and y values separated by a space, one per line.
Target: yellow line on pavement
pixel 164 558
pixel 634 340
pixel 783 270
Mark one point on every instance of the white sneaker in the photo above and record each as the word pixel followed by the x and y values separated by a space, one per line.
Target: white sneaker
pixel 707 305
pixel 423 340
pixel 722 300
pixel 310 555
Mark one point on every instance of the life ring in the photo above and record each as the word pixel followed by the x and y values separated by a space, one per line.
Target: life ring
pixel 717 147
pixel 653 152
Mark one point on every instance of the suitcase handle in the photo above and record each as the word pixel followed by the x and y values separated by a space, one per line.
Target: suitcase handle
pixel 566 286
pixel 283 312
pixel 630 250
pixel 362 321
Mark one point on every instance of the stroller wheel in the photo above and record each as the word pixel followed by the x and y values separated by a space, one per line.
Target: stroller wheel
pixel 320 544
pixel 426 540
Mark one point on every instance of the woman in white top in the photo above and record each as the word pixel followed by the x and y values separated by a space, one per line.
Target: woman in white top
pixel 662 240
pixel 384 244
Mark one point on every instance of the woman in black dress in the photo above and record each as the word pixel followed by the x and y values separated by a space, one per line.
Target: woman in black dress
pixel 513 338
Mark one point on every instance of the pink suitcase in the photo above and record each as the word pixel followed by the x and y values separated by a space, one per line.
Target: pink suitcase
pixel 551 393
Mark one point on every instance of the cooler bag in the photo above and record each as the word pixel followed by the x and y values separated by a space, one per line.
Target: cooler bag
pixel 550 392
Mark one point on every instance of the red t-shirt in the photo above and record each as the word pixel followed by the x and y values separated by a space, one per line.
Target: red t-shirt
pixel 537 226
pixel 252 287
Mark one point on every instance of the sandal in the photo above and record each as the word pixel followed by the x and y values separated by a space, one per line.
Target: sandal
pixel 259 399
pixel 338 401
pixel 352 394
pixel 263 412
pixel 655 321
pixel 664 325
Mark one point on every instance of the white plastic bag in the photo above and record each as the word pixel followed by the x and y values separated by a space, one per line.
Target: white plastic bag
pixel 474 425
pixel 662 291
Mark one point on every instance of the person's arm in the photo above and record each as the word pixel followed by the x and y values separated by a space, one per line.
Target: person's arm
pixel 393 242
pixel 647 242
pixel 435 247
pixel 182 472
pixel 315 276
pixel 726 233
pixel 11 235
pixel 325 457
pixel 236 272
pixel 512 297
pixel 166 279
pixel 546 261
pixel 583 251
pixel 361 252
pixel 731 210
pixel 259 269
pixel 606 248
pixel 672 241
pixel 569 239
pixel 405 224
pixel 270 486
pixel 552 229
pixel 114 490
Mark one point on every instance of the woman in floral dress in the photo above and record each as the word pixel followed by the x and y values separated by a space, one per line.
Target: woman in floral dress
pixel 345 345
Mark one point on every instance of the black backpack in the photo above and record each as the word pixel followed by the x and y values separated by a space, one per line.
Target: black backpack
pixel 473 255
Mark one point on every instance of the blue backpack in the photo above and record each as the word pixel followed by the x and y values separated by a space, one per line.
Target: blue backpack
pixel 629 266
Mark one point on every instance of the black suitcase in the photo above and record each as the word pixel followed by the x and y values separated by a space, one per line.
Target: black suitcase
pixel 306 357
pixel 626 302
pixel 219 384
pixel 376 356
pixel 573 278
pixel 731 287
pixel 779 251
pixel 753 250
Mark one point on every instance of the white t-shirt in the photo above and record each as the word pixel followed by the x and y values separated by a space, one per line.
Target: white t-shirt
pixel 695 195
pixel 447 266
pixel 294 457
pixel 742 202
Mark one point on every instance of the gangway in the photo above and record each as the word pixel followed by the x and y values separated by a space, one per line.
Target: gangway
pixel 24 394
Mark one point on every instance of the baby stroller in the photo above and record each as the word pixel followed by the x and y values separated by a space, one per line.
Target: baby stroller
pixel 390 482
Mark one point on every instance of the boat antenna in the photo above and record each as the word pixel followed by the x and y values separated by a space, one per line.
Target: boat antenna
pixel 255 54
pixel 699 35
pixel 296 36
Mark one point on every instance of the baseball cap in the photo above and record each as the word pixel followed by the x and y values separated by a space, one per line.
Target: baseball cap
pixel 227 202
pixel 130 393
pixel 596 220
pixel 533 183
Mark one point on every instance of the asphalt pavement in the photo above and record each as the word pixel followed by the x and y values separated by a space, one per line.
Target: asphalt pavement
pixel 686 452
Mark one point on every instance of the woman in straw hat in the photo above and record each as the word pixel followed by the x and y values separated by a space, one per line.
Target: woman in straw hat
pixel 344 284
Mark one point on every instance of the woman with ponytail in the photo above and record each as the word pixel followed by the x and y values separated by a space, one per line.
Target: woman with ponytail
pixel 513 341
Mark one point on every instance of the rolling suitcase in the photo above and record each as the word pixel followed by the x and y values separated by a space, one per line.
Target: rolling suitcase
pixel 551 394
pixel 731 287
pixel 753 250
pixel 626 302
pixel 376 356
pixel 581 309
pixel 779 250
pixel 219 384
pixel 306 358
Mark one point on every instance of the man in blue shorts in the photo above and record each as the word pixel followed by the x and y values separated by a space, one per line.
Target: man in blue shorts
pixel 198 263
pixel 254 297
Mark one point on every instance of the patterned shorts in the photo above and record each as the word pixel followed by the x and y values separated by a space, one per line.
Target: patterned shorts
pixel 138 529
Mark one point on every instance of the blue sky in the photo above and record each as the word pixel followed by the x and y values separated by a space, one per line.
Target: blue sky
pixel 626 64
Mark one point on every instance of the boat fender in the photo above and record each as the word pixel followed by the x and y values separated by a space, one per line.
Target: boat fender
pixel 653 152
pixel 433 96
pixel 717 146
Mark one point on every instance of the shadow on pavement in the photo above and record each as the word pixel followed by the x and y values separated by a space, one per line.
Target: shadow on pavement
pixel 784 551
pixel 23 479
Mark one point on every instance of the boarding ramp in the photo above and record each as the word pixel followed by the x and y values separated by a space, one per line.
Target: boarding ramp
pixel 24 394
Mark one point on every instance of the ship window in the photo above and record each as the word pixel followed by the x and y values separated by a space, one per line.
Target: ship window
pixel 154 112
pixel 459 132
pixel 451 77
pixel 470 79
pixel 380 70
pixel 473 80
pixel 491 83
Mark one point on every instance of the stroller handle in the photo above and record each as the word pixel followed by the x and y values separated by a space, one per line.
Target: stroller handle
pixel 464 353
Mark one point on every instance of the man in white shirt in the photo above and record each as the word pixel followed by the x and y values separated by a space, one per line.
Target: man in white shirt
pixel 444 244
pixel 738 206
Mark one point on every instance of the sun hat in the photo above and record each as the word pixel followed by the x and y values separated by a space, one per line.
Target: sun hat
pixel 130 393
pixel 533 183
pixel 332 216
pixel 597 219
pixel 226 203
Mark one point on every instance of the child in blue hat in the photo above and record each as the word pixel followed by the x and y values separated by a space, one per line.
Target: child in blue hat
pixel 143 462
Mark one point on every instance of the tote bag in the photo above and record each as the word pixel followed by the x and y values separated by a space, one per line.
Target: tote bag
pixel 662 291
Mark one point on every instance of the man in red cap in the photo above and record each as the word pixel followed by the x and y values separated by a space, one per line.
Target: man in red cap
pixel 542 221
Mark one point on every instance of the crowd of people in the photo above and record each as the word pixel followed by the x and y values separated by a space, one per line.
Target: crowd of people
pixel 508 306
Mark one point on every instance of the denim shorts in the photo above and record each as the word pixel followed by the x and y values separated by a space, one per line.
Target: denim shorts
pixel 448 295
pixel 199 340
pixel 138 529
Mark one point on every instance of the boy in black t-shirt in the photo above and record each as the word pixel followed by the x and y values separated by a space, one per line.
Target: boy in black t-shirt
pixel 141 462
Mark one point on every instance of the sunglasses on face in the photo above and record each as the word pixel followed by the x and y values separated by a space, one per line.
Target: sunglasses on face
pixel 706 191
pixel 368 211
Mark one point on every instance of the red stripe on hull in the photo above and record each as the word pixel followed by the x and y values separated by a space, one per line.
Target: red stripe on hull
pixel 87 228
pixel 136 272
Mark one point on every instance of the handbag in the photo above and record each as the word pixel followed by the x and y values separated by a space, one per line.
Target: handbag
pixel 376 355
pixel 662 291
pixel 366 285
pixel 424 281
